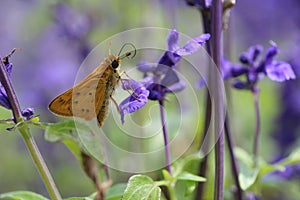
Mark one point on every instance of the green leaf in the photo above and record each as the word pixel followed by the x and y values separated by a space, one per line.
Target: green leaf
pixel 183 163
pixel 190 186
pixel 186 176
pixel 247 176
pixel 243 156
pixel 141 187
pixel 22 195
pixel 79 198
pixel 115 192
pixel 91 197
pixel 166 175
pixel 59 131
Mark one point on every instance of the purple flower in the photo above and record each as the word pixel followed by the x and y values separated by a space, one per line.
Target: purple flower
pixel 4 101
pixel 161 78
pixel 280 71
pixel 134 102
pixel 254 69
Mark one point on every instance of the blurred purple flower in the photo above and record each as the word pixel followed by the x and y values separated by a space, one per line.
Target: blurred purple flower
pixel 72 24
pixel 254 69
pixel 290 172
pixel 161 78
pixel 280 71
pixel 252 196
pixel 199 3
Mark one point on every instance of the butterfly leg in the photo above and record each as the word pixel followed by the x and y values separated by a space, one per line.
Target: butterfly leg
pixel 116 104
pixel 124 72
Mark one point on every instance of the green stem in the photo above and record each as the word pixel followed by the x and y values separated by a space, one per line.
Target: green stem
pixel 172 194
pixel 24 130
pixel 170 186
pixel 39 162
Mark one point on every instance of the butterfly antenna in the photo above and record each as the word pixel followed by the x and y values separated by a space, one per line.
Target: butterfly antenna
pixel 128 53
pixel 109 51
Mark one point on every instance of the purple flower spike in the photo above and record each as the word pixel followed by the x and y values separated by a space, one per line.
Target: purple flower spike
pixel 255 69
pixel 134 102
pixel 280 71
pixel 159 78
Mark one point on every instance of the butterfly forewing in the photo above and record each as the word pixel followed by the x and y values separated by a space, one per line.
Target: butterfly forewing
pixel 89 98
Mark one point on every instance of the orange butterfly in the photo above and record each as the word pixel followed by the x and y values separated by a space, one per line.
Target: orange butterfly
pixel 90 97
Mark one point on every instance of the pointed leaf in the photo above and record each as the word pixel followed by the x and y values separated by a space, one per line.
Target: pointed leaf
pixel 141 187
pixel 22 195
pixel 115 192
pixel 91 197
pixel 247 176
pixel 190 177
pixel 60 131
pixel 166 175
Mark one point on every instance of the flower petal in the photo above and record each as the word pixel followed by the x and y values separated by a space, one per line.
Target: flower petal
pixel 280 71
pixel 4 99
pixel 128 84
pixel 157 91
pixel 28 113
pixel 248 57
pixel 134 102
pixel 272 51
pixel 3 96
pixel 146 66
pixel 169 59
pixel 172 40
pixel 177 87
pixel 231 70
pixel 241 85
pixel 192 45
pixel 170 78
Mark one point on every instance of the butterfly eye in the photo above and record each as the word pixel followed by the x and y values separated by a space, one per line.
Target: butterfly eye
pixel 115 64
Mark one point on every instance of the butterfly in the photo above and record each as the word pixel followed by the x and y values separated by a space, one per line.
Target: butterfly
pixel 90 97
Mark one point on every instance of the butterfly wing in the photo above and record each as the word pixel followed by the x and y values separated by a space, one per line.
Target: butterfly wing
pixel 89 98
pixel 84 100
pixel 62 104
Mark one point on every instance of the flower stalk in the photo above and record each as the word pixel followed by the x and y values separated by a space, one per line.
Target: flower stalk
pixel 28 139
pixel 257 126
pixel 217 57
pixel 234 166
pixel 166 137
pixel 203 164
